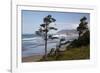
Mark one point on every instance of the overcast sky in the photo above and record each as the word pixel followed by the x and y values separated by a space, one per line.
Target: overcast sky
pixel 31 20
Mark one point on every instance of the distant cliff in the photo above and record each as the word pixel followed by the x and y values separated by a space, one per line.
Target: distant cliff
pixel 68 32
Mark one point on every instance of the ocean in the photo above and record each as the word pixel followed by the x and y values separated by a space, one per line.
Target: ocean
pixel 34 45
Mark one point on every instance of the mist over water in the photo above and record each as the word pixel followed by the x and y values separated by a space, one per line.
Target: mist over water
pixel 34 45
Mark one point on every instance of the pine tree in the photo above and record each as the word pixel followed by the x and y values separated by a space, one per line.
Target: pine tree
pixel 82 26
pixel 84 34
pixel 44 28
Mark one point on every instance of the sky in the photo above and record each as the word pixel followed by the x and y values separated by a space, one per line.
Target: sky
pixel 31 20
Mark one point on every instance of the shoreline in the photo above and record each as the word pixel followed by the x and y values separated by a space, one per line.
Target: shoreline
pixel 33 58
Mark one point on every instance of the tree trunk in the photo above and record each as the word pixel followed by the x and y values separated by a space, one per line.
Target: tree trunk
pixel 46 42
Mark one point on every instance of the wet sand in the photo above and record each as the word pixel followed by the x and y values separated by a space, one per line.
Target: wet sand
pixel 34 58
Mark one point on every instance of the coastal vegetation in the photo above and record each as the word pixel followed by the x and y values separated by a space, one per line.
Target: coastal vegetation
pixel 76 50
pixel 71 54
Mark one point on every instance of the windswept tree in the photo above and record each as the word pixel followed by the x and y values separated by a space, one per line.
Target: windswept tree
pixel 84 34
pixel 82 28
pixel 45 28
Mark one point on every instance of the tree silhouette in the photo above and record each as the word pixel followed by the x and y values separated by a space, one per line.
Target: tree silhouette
pixel 82 26
pixel 84 34
pixel 44 28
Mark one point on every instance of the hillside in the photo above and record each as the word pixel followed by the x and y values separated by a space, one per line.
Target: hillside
pixel 71 54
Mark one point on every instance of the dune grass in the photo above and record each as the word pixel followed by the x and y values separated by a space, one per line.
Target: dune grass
pixel 71 54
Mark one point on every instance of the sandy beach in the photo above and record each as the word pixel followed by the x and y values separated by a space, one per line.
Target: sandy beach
pixel 34 58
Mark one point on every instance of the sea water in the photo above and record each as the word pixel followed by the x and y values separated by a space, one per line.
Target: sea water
pixel 35 45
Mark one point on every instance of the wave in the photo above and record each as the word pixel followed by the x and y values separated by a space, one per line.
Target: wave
pixel 35 44
pixel 32 38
